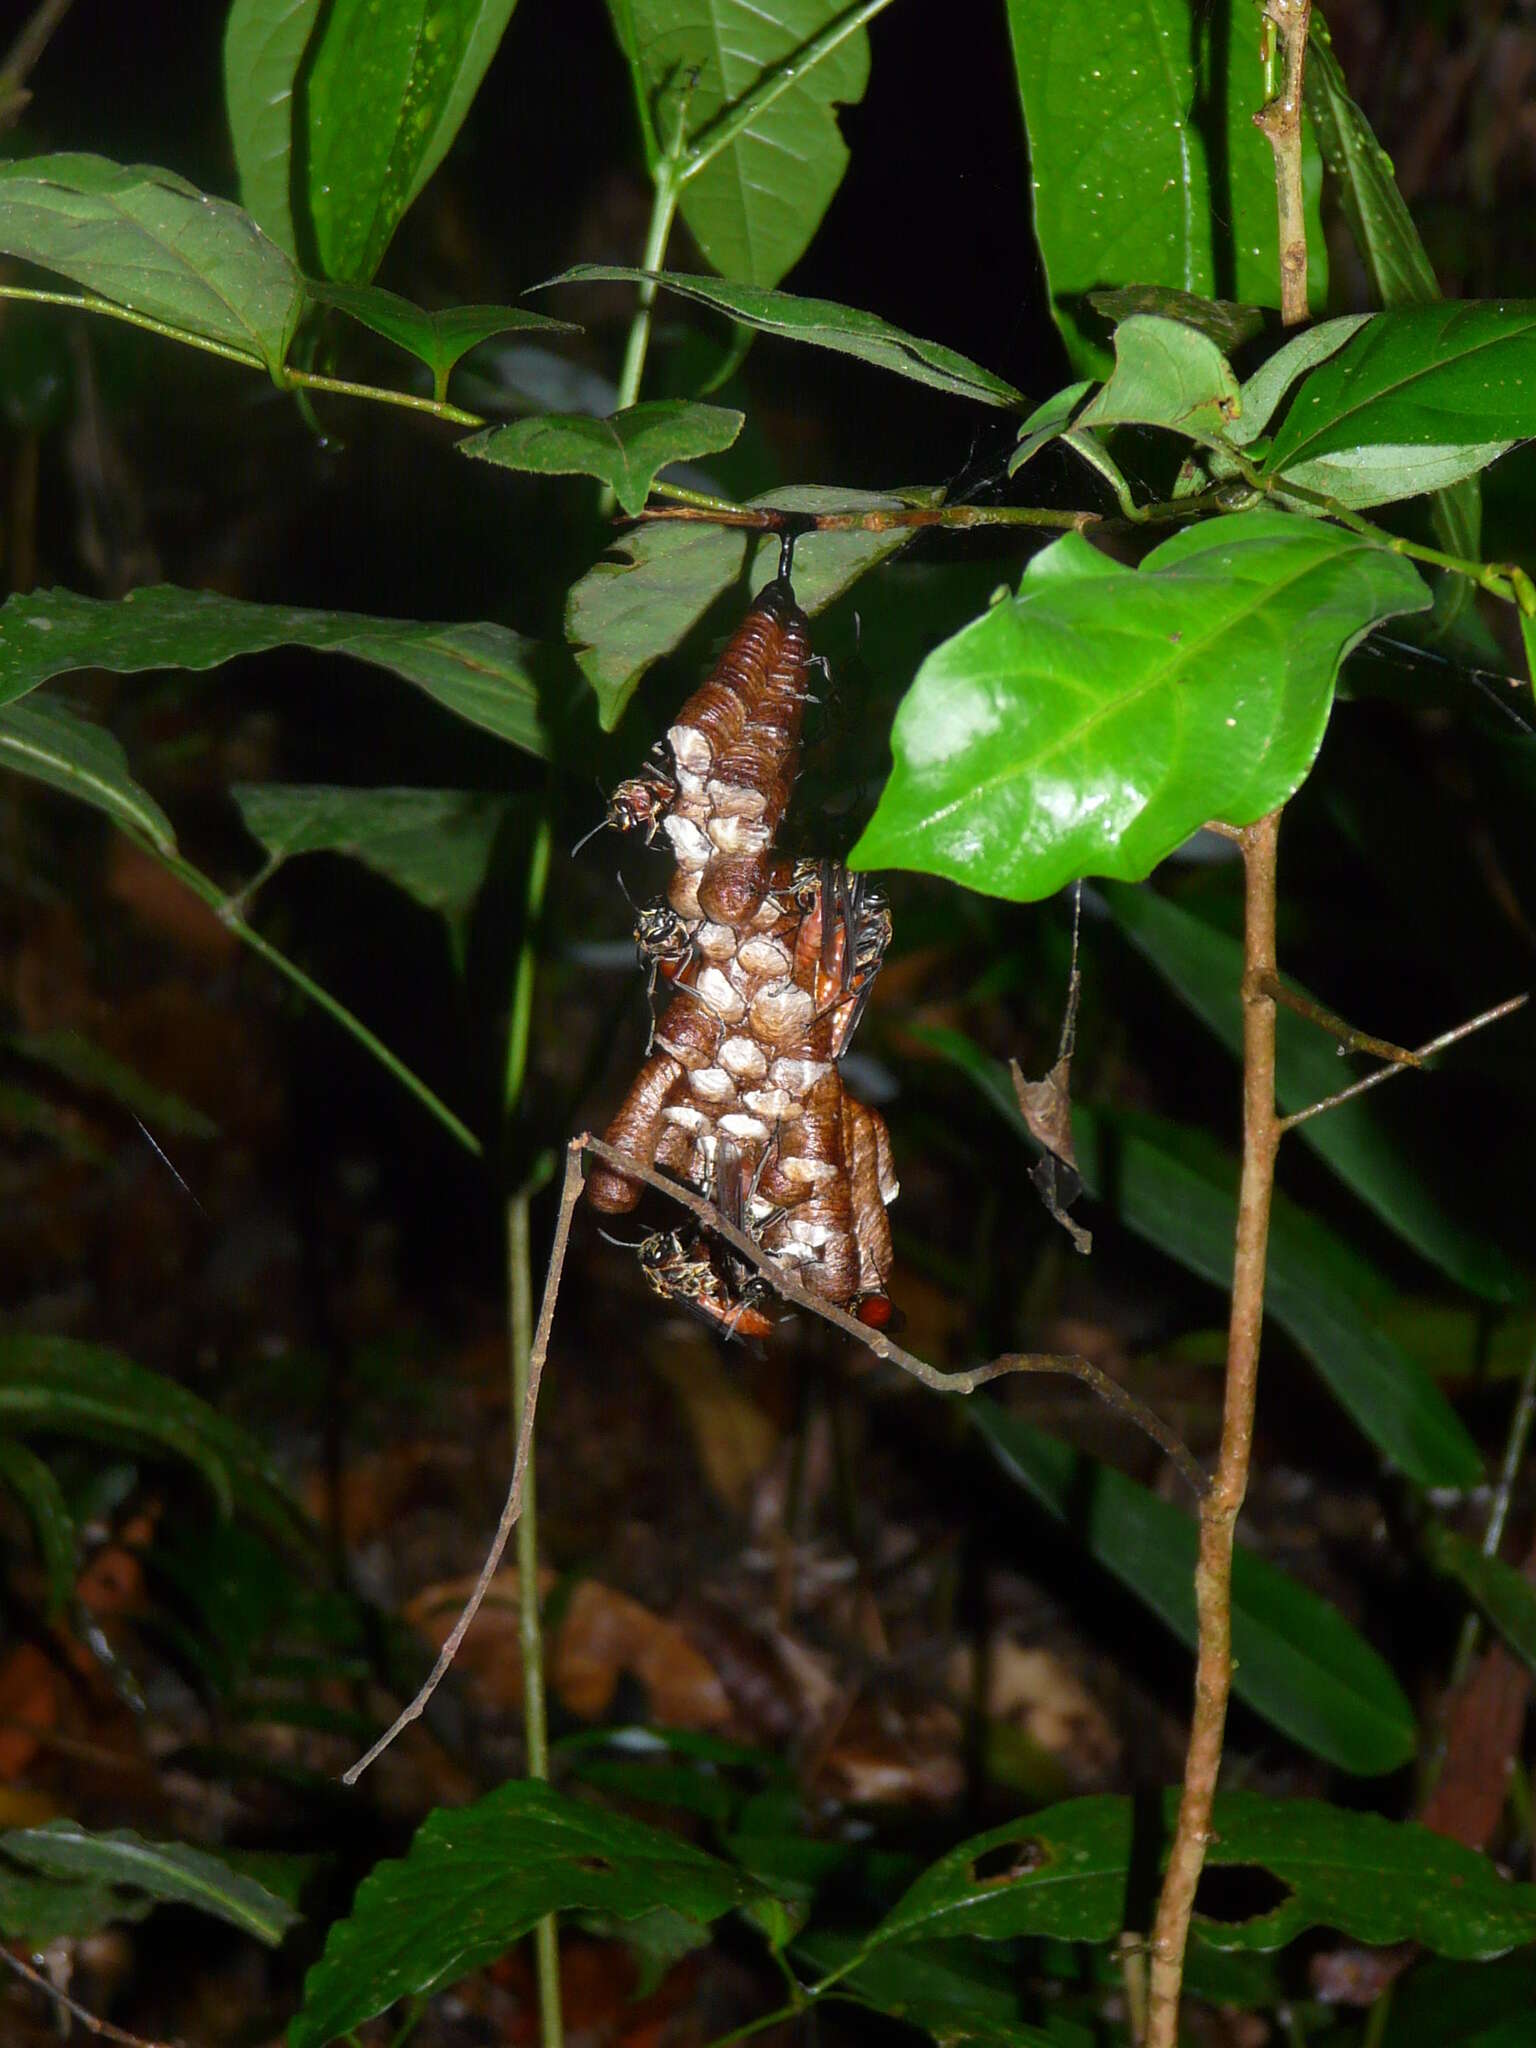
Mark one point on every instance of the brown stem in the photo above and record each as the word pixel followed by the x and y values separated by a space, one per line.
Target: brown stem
pixel 521 1464
pixel 1417 1058
pixel 1219 1510
pixel 23 55
pixel 783 1283
pixel 1349 1038
pixel 1280 122
pixel 768 519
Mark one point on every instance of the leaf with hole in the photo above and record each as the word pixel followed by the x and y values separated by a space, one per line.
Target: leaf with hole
pixel 754 203
pixel 478 1877
pixel 1091 724
pixel 120 1875
pixel 49 743
pixel 437 339
pixel 264 42
pixel 823 324
pixel 1298 1662
pixel 147 240
pixel 1504 1594
pixel 1376 1880
pixel 624 451
pixel 625 614
pixel 481 672
pixel 1204 966
pixel 1145 166
pixel 383 90
pixel 1178 1190
pixel 435 844
pixel 1165 375
pixel 57 1386
pixel 1418 398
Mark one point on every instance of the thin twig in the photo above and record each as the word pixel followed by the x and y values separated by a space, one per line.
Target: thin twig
pixel 1109 1391
pixel 1219 1509
pixel 569 1195
pixel 102 2029
pixel 1350 1038
pixel 23 54
pixel 1419 1055
pixel 768 519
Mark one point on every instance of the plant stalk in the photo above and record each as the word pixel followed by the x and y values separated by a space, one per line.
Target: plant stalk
pixel 546 1934
pixel 1262 1131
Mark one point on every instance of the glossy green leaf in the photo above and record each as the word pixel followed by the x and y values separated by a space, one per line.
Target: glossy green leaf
pixel 823 324
pixel 49 743
pixel 1165 375
pixel 1145 165
pixel 477 1877
pixel 23 1474
pixel 624 451
pixel 625 614
pixel 1048 422
pixel 148 240
pixel 952 1990
pixel 481 672
pixel 437 339
pixel 384 90
pixel 435 844
pixel 264 42
pixel 1092 723
pixel 123 1866
pixel 1060 1872
pixel 1263 391
pixel 1179 1192
pixel 1204 966
pixel 89 1067
pixel 1504 1594
pixel 56 1386
pixel 1394 257
pixel 754 206
pixel 1298 1662
pixel 1376 1880
pixel 1430 389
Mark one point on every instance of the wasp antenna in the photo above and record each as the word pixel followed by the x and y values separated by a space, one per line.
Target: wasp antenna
pixel 587 837
pixel 624 1244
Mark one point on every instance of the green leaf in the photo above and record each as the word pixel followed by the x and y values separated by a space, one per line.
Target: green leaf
pixel 1394 256
pixel 1298 1662
pixel 1179 1192
pixel 1528 643
pixel 435 844
pixel 436 339
pixel 264 41
pixel 755 205
pixel 823 324
pixel 625 614
pixel 1461 2005
pixel 148 240
pixel 68 1053
pixel 624 451
pixel 1418 398
pixel 953 1990
pixel 56 1386
pixel 50 743
pixel 1165 375
pixel 1373 1879
pixel 1060 1872
pixel 1220 320
pixel 1095 721
pixel 1263 391
pixel 1145 165
pixel 1048 422
pixel 1505 1595
pixel 1205 967
pixel 477 1877
pixel 481 672
pixel 158 1873
pixel 384 90
pixel 42 1499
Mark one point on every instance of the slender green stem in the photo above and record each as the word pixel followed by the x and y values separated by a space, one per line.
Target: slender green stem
pixel 663 213
pixel 285 377
pixel 205 887
pixel 734 120
pixel 546 1934
pixel 1516 1443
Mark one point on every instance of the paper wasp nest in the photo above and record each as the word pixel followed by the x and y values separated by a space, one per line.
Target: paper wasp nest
pixel 771 962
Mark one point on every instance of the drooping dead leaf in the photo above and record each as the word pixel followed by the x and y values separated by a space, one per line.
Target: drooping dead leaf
pixel 1046 1107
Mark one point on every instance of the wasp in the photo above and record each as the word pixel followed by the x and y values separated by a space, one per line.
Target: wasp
pixel 678 1266
pixel 639 804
